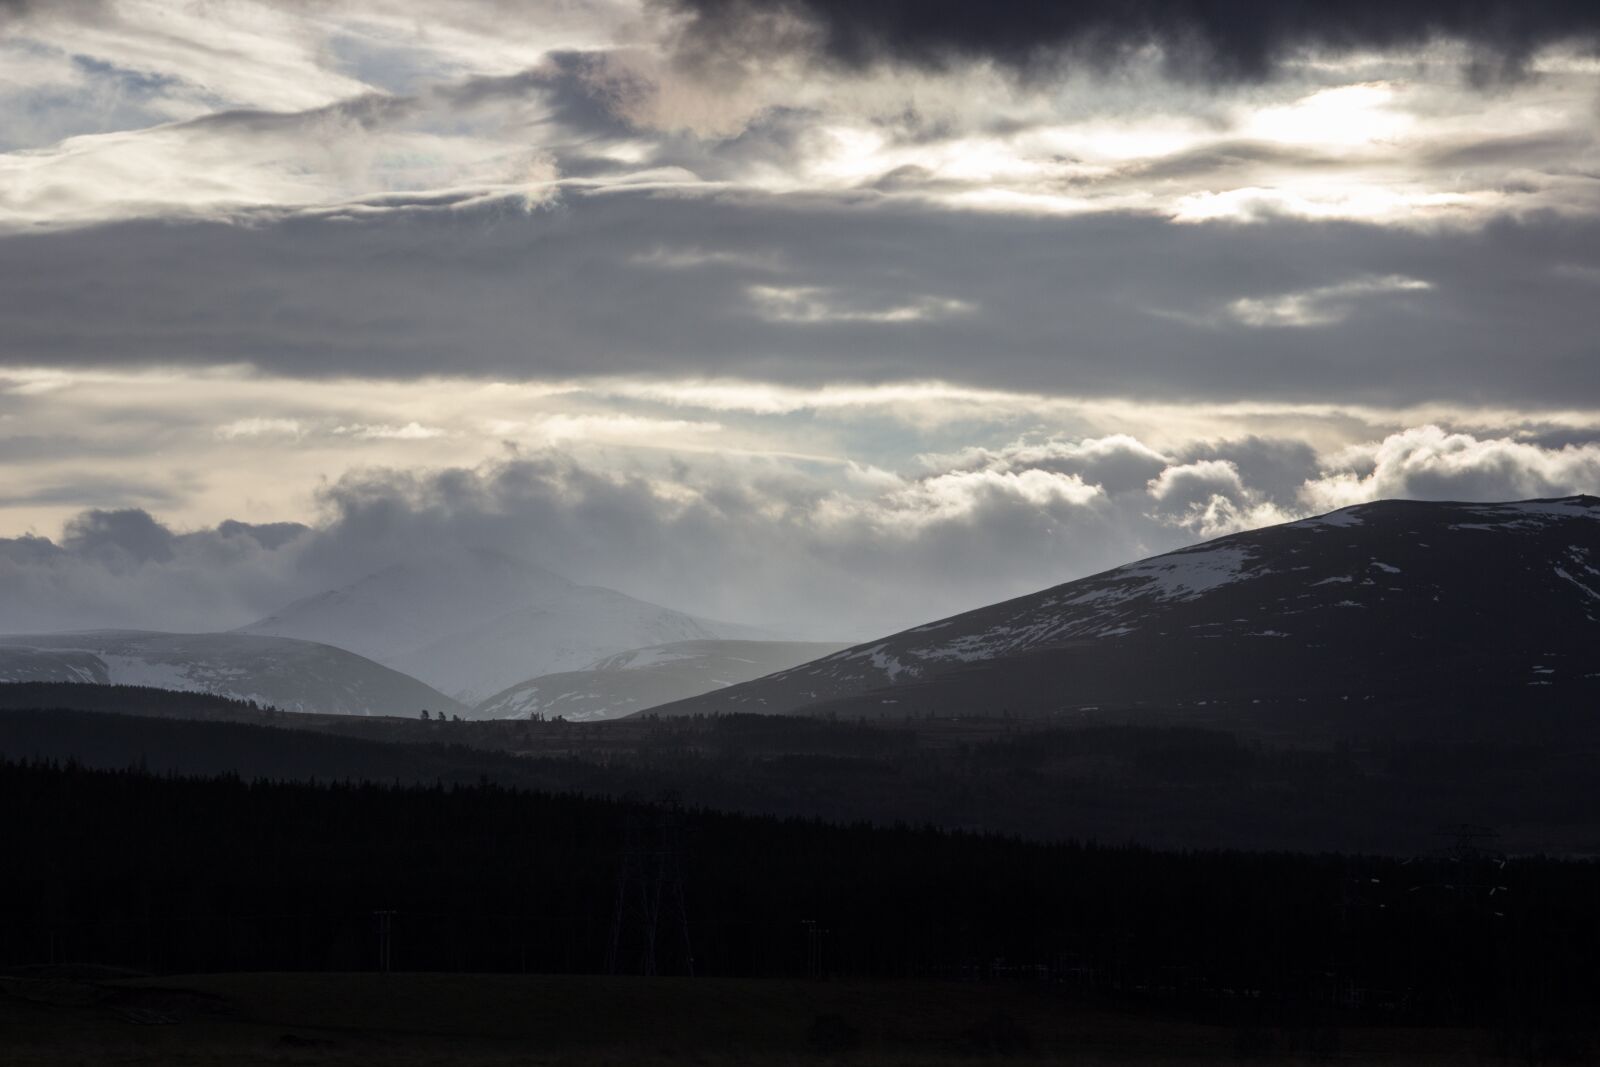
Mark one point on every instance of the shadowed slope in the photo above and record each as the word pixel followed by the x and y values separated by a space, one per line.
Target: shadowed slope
pixel 1432 605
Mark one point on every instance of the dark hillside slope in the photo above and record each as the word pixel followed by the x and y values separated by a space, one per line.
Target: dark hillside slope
pixel 1403 616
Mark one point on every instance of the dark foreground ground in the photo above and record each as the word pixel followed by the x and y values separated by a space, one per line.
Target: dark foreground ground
pixel 67 1016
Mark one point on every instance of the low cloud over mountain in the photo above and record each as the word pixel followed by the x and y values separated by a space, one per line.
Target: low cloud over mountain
pixel 814 551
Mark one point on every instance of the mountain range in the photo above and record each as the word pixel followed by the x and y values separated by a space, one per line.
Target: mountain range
pixel 1395 615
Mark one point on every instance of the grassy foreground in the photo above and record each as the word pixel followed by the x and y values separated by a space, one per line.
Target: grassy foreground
pixel 406 1019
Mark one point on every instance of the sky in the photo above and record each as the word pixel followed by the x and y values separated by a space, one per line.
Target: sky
pixel 826 316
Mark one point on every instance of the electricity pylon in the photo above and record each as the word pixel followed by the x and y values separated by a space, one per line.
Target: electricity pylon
pixel 650 892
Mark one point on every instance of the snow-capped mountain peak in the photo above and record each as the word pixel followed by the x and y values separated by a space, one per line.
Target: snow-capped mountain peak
pixel 474 622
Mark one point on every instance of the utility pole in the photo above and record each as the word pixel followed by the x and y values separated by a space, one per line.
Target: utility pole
pixel 650 888
pixel 1471 850
pixel 816 936
pixel 385 939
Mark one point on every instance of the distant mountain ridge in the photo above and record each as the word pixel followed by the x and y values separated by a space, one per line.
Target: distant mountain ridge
pixel 474 622
pixel 641 678
pixel 1395 601
pixel 288 674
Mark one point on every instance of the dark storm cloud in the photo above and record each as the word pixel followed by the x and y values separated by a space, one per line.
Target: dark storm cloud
pixel 29 550
pixel 126 568
pixel 658 284
pixel 132 536
pixel 269 535
pixel 1225 40
pixel 1276 466
pixel 128 534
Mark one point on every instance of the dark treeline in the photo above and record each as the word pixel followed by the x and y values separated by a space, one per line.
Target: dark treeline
pixel 1158 785
pixel 174 874
pixel 128 700
pixel 248 748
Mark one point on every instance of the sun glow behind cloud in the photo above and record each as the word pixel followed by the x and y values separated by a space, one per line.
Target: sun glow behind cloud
pixel 1348 116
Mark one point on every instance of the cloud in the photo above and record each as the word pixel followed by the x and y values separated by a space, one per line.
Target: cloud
pixel 19 10
pixel 828 551
pixel 126 569
pixel 1194 482
pixel 77 487
pixel 959 496
pixel 1119 305
pixel 1116 463
pixel 1208 39
pixel 820 304
pixel 256 426
pixel 249 109
pixel 1323 306
pixel 129 536
pixel 269 535
pixel 411 431
pixel 1210 498
pixel 1273 466
pixel 1431 463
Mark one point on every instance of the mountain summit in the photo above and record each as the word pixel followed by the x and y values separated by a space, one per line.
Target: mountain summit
pixel 1444 607
pixel 474 622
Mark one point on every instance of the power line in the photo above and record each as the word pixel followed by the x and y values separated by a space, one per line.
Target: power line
pixel 650 891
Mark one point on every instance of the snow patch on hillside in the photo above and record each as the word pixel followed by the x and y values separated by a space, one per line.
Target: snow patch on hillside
pixel 1342 517
pixel 889 664
pixel 137 670
pixel 1185 575
pixel 1560 573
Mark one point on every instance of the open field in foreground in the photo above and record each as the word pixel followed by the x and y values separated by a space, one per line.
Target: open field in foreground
pixel 405 1019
